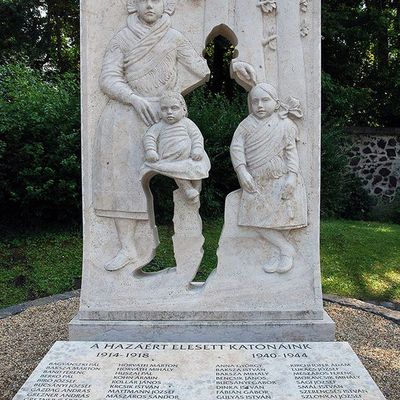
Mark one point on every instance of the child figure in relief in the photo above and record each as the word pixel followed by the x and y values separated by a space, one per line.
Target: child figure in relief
pixel 175 147
pixel 264 155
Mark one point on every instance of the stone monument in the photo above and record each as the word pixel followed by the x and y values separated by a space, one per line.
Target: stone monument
pixel 139 58
pixel 159 335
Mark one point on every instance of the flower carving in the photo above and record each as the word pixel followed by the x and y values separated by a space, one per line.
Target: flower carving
pixel 267 6
pixel 304 5
pixel 270 41
pixel 304 29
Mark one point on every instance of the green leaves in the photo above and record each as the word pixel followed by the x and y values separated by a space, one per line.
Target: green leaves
pixel 361 53
pixel 46 32
pixel 40 147
pixel 217 117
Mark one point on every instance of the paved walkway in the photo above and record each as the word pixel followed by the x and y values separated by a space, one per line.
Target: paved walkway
pixel 26 337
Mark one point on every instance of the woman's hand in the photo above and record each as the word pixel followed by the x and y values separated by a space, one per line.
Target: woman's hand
pixel 152 156
pixel 245 72
pixel 196 154
pixel 289 187
pixel 246 181
pixel 144 109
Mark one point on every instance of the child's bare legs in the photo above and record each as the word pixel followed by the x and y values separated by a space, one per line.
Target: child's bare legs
pixel 286 249
pixel 187 187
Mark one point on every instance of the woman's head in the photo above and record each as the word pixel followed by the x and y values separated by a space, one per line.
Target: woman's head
pixel 263 99
pixel 150 11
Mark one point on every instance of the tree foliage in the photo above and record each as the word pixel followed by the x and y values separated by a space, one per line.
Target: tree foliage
pixel 361 51
pixel 39 145
pixel 360 85
pixel 44 32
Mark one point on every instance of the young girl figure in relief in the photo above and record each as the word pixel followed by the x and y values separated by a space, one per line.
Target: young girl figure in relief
pixel 175 147
pixel 264 155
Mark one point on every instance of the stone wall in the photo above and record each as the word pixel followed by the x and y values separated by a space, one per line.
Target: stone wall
pixel 375 157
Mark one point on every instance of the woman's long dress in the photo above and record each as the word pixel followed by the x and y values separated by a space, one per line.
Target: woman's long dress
pixel 140 60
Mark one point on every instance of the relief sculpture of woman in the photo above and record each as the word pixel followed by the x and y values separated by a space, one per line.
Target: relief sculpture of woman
pixel 141 63
pixel 264 155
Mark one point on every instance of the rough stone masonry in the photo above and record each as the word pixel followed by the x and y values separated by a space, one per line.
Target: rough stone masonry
pixel 375 158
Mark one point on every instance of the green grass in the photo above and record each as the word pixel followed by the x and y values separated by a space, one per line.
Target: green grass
pixel 39 264
pixel 359 259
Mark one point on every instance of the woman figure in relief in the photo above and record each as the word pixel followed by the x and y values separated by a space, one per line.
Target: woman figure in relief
pixel 141 63
pixel 264 155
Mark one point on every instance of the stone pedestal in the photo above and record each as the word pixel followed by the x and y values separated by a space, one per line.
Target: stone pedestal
pixel 203 331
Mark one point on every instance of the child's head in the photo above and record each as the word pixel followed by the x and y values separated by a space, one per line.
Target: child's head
pixel 263 99
pixel 173 107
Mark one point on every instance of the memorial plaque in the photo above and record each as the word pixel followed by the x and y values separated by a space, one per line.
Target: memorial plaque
pixel 201 371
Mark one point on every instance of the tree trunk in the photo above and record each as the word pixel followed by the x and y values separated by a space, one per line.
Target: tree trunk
pixel 377 9
pixel 396 5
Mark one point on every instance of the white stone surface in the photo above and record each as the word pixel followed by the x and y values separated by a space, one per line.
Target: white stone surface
pixel 278 371
pixel 321 330
pixel 265 157
pixel 279 45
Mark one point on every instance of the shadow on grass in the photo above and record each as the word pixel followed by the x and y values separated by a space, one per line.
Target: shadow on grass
pixel 165 252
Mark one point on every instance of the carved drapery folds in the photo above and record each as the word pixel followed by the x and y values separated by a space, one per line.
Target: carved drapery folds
pixel 142 62
pixel 265 157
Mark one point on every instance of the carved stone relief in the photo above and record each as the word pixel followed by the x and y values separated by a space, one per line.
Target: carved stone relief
pixel 304 28
pixel 267 6
pixel 140 69
pixel 264 155
pixel 174 147
pixel 305 24
pixel 304 5
pixel 138 128
pixel 270 41
pixel 141 63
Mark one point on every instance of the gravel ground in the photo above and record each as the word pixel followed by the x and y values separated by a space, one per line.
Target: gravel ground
pixel 27 337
